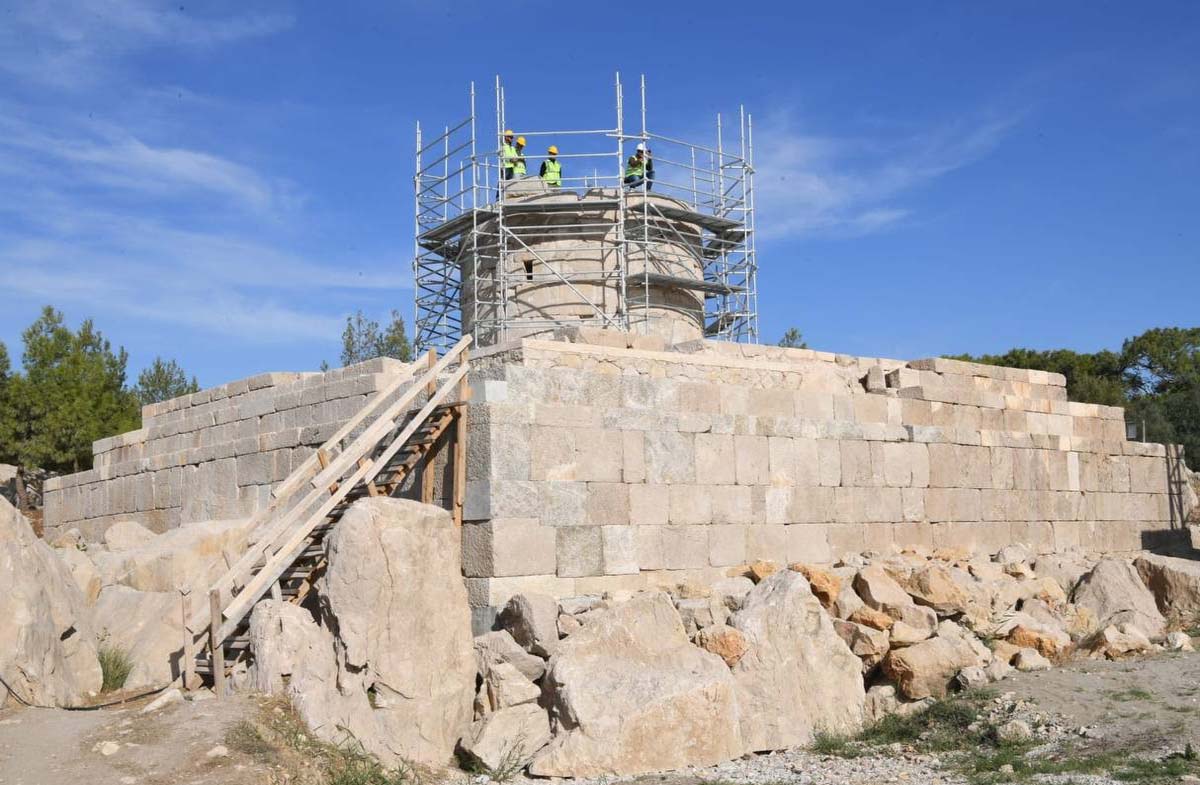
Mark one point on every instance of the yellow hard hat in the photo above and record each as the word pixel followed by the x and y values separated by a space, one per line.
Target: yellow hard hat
pixel 521 140
pixel 508 132
pixel 553 149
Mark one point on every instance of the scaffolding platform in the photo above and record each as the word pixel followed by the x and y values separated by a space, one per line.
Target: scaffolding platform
pixel 493 257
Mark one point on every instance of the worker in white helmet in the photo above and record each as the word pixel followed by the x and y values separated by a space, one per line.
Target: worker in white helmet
pixel 639 170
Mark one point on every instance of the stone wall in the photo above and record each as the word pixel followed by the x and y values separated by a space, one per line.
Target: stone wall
pixel 215 454
pixel 596 467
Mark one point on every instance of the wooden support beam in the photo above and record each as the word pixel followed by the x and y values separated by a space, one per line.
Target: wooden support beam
pixel 323 460
pixel 189 641
pixel 427 476
pixel 372 488
pixel 217 645
pixel 460 446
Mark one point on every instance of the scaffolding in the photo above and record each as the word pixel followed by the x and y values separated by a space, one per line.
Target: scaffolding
pixel 501 257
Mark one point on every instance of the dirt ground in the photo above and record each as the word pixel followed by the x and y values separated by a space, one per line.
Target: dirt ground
pixel 167 747
pixel 1147 707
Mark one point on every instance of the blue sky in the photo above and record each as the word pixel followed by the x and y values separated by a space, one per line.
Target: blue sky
pixel 223 183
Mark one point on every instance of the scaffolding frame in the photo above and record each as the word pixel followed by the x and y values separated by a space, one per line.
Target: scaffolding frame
pixel 468 229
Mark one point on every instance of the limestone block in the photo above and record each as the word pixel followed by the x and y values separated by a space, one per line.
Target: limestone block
pixel 633 453
pixel 670 457
pixel 857 469
pixel 727 545
pixel 649 543
pixel 684 547
pixel 829 462
pixel 905 464
pixel 485 499
pixel 813 405
pixel 691 504
pixel 598 455
pixel 649 505
pixel 870 408
pixel 732 504
pixel 767 541
pixel 715 462
pixel 563 503
pixel 607 503
pixel 752 459
pixel 552 454
pixel 619 549
pixel 580 551
pixel 808 543
pixel 508 546
pixel 952 504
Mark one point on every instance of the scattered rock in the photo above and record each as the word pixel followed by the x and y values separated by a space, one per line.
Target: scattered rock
pixel 824 585
pixel 869 617
pixel 880 591
pixel 724 641
pixel 500 646
pixel 1117 641
pixel 219 751
pixel 1115 594
pixel 532 619
pixel 732 591
pixel 1175 583
pixel 798 674
pixel 972 677
pixel 629 694
pixel 699 613
pixel 927 669
pixel 761 569
pixel 505 741
pixel 1179 641
pixel 172 695
pixel 1029 660
pixel 107 748
pixel 939 588
pixel 1014 731
pixel 867 643
pixel 506 686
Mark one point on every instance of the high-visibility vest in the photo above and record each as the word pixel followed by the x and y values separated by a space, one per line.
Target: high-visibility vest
pixel 508 154
pixel 636 167
pixel 553 173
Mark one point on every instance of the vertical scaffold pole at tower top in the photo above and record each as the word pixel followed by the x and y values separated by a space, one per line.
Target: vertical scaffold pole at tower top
pixel 416 266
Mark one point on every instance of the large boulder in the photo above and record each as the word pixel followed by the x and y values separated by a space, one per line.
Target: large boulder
pixel 532 620
pixel 628 694
pixel 942 588
pixel 287 642
pixel 1174 582
pixel 86 576
pixel 500 647
pixel 48 650
pixel 124 535
pixel 193 556
pixel 927 669
pixel 393 593
pixel 879 590
pixel 797 676
pixel 1113 591
pixel 1065 569
pixel 506 740
pixel 147 626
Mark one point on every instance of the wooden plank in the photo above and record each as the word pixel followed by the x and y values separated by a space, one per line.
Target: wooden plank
pixel 323 459
pixel 427 477
pixel 460 447
pixel 189 647
pixel 295 479
pixel 289 550
pixel 217 642
pixel 372 488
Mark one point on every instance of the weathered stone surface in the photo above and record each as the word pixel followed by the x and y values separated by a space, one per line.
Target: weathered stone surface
pixel 147 626
pixel 505 740
pixel 939 588
pixel 629 694
pixel 724 641
pixel 47 643
pixel 926 669
pixel 1179 641
pixel 880 701
pixel 700 613
pixel 798 675
pixel 193 557
pixel 1030 660
pixel 868 644
pixel 86 576
pixel 532 619
pixel 971 677
pixel 825 585
pixel 869 617
pixel 732 591
pixel 1113 591
pixel 1117 641
pixel 1065 569
pixel 404 629
pixel 285 640
pixel 1174 582
pixel 880 590
pixel 904 634
pixel 499 646
pixel 123 535
pixel 506 686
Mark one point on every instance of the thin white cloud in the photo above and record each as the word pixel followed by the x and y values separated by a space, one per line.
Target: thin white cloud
pixel 808 184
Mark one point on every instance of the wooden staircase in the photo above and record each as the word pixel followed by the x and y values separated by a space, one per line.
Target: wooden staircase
pixel 373 454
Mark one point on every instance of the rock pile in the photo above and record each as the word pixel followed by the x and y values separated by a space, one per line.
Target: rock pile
pixel 768 657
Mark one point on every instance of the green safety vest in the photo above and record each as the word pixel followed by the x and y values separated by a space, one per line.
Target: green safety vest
pixel 519 164
pixel 635 167
pixel 508 154
pixel 553 175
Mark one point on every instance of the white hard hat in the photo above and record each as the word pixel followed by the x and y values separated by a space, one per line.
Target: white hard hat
pixel 641 148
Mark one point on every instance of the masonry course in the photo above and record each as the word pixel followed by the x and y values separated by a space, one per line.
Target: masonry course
pixel 602 463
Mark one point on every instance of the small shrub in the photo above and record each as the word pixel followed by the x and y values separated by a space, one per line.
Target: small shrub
pixel 116 666
pixel 827 743
pixel 245 737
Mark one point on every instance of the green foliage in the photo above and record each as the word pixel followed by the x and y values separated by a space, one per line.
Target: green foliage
pixel 792 339
pixel 364 339
pixel 163 380
pixel 116 665
pixel 1155 377
pixel 71 392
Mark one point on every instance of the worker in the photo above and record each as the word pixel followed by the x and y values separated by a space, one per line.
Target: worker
pixel 639 171
pixel 519 161
pixel 510 155
pixel 552 168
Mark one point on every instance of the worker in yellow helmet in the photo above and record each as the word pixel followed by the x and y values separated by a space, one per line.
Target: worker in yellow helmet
pixel 552 168
pixel 509 155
